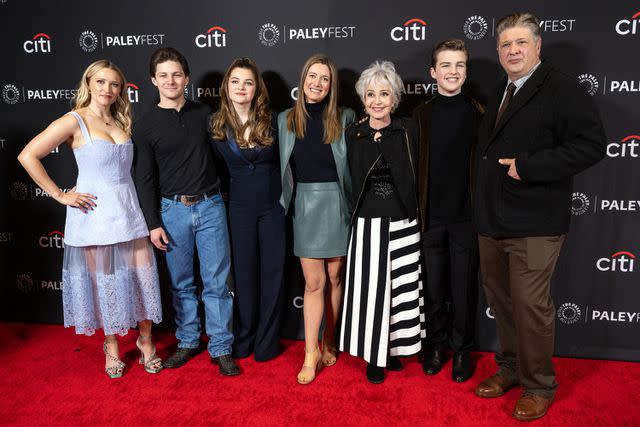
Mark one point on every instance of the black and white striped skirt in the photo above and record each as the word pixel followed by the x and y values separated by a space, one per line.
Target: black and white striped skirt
pixel 383 311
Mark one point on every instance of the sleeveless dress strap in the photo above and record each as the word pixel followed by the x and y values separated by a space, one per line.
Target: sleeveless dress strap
pixel 83 127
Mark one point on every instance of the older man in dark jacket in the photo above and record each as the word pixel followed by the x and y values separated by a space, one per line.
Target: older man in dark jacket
pixel 540 130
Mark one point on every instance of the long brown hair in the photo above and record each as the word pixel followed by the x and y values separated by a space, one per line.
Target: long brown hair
pixel 259 122
pixel 297 117
pixel 120 109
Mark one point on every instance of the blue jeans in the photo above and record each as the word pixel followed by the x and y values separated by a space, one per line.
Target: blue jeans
pixel 203 225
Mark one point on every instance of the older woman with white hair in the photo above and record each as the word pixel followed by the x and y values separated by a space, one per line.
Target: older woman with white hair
pixel 383 311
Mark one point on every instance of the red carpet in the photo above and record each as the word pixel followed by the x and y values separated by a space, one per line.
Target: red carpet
pixel 49 376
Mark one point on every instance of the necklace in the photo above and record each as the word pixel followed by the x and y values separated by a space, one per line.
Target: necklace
pixel 108 123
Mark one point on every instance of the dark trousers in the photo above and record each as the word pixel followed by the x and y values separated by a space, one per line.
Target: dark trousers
pixel 451 271
pixel 258 246
pixel 516 275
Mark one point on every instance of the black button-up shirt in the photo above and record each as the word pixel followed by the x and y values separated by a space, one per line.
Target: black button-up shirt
pixel 173 156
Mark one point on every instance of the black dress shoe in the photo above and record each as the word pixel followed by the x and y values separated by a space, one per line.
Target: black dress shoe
pixel 375 374
pixel 227 365
pixel 463 367
pixel 433 361
pixel 394 364
pixel 180 357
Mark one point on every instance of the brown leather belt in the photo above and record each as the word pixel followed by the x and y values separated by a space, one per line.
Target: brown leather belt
pixel 189 200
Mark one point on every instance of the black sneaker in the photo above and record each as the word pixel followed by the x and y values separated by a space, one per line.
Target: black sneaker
pixel 180 357
pixel 227 365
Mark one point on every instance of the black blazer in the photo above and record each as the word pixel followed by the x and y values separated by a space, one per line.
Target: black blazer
pixel 553 130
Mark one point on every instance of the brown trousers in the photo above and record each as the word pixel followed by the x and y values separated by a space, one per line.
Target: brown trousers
pixel 516 275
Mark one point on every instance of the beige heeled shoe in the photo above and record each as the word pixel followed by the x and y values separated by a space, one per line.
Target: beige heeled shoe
pixel 116 370
pixel 154 364
pixel 329 353
pixel 311 366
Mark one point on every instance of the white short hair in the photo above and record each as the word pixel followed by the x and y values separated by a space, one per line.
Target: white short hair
pixel 380 72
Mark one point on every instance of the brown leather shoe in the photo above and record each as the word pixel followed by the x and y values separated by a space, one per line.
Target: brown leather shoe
pixel 531 406
pixel 495 386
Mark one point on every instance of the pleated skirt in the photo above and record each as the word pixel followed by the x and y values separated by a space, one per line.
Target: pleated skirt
pixel 383 312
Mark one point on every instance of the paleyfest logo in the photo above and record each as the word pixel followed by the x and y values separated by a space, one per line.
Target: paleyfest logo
pixel 589 82
pixel 268 34
pixel 621 261
pixel 626 27
pixel 88 41
pixel 579 203
pixel 215 36
pixel 41 43
pixel 627 147
pixel 475 27
pixel 11 94
pixel 569 313
pixel 414 29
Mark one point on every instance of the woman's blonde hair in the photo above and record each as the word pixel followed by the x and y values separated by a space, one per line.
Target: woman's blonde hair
pixel 297 117
pixel 259 122
pixel 121 109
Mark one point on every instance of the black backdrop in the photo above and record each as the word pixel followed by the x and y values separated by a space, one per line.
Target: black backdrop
pixel 46 45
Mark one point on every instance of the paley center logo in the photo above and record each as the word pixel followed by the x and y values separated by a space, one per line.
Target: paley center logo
pixel 589 82
pixel 53 240
pixel 475 27
pixel 569 313
pixel 215 36
pixel 268 34
pixel 24 282
pixel 11 94
pixel 40 43
pixel 579 203
pixel 19 191
pixel 414 29
pixel 621 261
pixel 626 27
pixel 627 147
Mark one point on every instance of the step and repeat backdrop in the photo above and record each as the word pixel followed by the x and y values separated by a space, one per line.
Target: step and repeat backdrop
pixel 47 45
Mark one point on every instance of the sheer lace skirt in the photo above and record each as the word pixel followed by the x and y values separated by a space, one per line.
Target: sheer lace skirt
pixel 110 287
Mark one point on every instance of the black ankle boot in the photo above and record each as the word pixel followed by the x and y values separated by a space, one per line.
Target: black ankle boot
pixel 463 367
pixel 433 361
pixel 394 364
pixel 375 374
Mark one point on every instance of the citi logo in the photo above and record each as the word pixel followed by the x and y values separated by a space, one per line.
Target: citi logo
pixel 215 36
pixel 620 261
pixel 53 240
pixel 132 93
pixel 41 43
pixel 627 147
pixel 589 82
pixel 628 26
pixel 414 29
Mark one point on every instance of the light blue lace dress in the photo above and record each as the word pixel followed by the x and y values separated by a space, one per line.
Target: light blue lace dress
pixel 109 274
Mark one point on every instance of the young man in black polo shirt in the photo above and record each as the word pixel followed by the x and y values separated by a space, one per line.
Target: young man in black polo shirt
pixel 448 129
pixel 179 194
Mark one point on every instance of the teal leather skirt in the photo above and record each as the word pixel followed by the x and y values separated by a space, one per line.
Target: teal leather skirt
pixel 320 221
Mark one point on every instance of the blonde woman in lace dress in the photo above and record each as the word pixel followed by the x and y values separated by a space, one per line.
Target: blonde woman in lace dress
pixel 109 270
